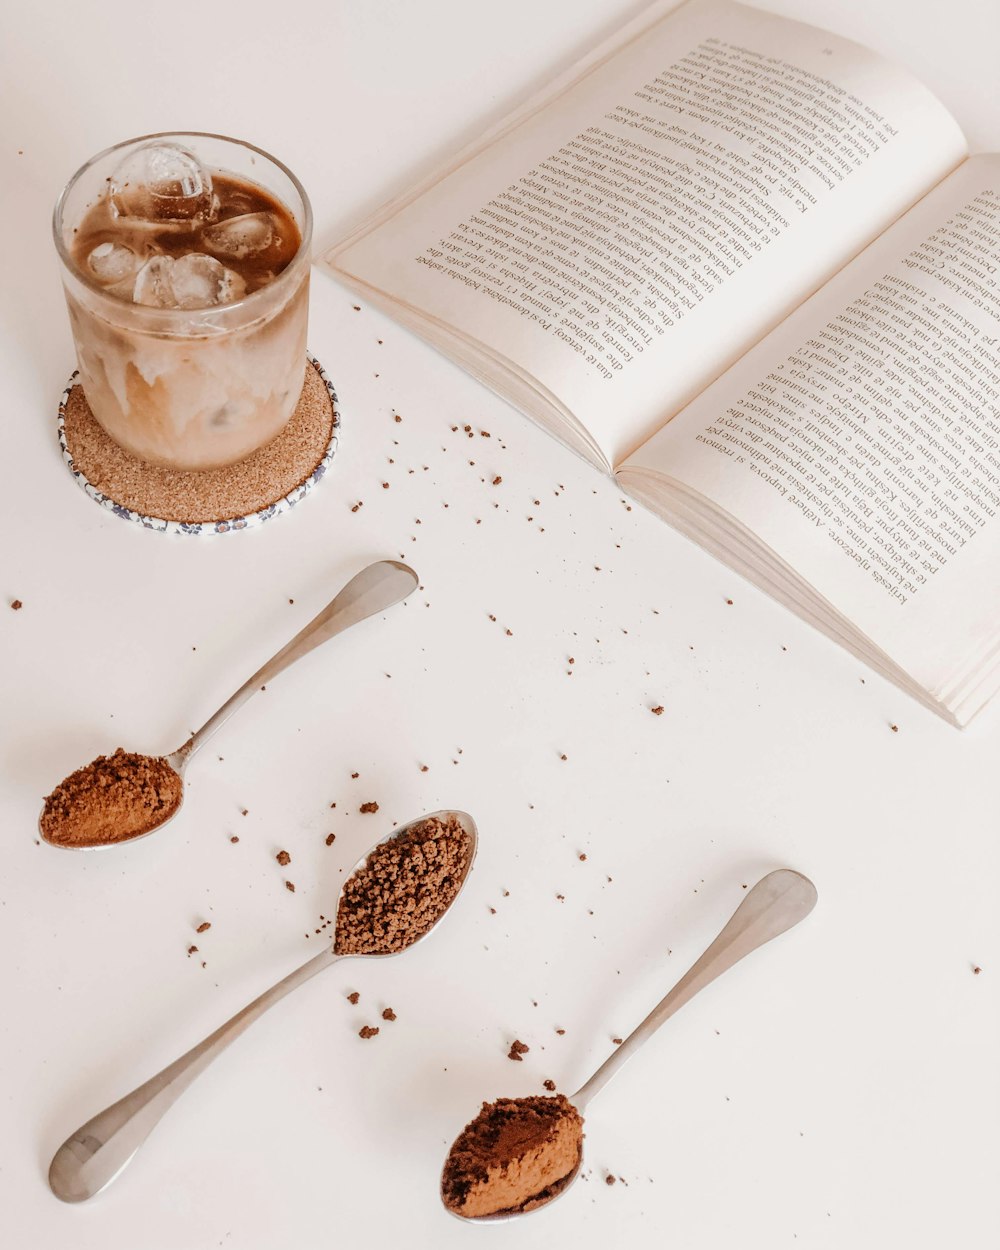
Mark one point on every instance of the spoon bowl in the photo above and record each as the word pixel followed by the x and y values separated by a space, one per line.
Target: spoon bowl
pixel 775 904
pixel 467 824
pixel 375 589
pixel 93 1156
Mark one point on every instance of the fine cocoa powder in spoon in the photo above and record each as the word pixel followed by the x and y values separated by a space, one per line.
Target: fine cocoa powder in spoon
pixel 515 1155
pixel 112 799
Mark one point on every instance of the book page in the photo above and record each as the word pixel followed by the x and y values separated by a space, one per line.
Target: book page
pixel 629 240
pixel 861 440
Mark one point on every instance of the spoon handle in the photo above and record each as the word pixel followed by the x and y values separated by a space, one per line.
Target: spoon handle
pixel 93 1156
pixel 375 589
pixel 776 903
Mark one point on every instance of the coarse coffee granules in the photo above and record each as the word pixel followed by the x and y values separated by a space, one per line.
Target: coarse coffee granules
pixel 112 799
pixel 517 1154
pixel 403 888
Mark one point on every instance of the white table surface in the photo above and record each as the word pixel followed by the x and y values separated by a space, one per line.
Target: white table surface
pixel 842 1089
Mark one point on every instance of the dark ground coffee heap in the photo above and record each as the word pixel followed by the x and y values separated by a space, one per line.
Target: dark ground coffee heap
pixel 111 799
pixel 404 887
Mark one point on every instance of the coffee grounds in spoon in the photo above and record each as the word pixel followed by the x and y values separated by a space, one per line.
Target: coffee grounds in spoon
pixel 404 887
pixel 517 1154
pixel 112 799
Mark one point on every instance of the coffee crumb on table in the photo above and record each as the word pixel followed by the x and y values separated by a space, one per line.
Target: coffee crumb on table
pixel 330 839
pixel 517 1049
pixel 616 1041
pixel 388 1014
pixel 658 710
pixel 353 998
pixel 283 858
pixel 204 926
pixel 366 1031
pixel 549 1085
pixel 609 1179
pixel 367 808
pixel 192 950
pixel 16 605
pixel 290 887
pixel 234 838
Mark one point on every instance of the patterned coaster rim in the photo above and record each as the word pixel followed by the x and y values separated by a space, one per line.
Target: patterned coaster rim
pixel 231 524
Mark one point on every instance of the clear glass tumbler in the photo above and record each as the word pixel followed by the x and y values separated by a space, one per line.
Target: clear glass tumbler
pixel 190 388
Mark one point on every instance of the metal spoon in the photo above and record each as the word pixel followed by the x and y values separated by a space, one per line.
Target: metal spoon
pixel 375 589
pixel 776 903
pixel 90 1159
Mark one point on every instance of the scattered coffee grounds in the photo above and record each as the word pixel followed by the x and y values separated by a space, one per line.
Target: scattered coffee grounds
pixel 388 1014
pixel 516 1155
pixel 658 710
pixel 517 1049
pixel 192 950
pixel 283 858
pixel 367 808
pixel 204 926
pixel 112 799
pixel 609 1179
pixel 366 1031
pixel 551 1085
pixel 237 490
pixel 290 886
pixel 330 839
pixel 403 888
pixel 353 998
pixel 16 605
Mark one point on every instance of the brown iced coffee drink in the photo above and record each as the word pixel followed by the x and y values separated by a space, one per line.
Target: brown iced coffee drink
pixel 186 270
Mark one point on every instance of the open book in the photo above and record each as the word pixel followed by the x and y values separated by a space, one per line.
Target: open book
pixel 747 267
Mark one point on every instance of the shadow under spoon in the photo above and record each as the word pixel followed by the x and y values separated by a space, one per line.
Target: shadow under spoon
pixel 775 904
pixel 91 1158
pixel 375 589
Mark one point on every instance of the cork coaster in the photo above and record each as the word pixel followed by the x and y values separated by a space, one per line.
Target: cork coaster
pixel 267 483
